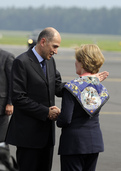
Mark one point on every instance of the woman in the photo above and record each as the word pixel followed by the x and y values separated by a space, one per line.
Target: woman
pixel 81 138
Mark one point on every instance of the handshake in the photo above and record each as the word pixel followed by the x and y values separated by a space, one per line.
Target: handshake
pixel 54 111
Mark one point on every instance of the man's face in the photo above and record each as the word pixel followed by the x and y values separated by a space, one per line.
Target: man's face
pixel 50 48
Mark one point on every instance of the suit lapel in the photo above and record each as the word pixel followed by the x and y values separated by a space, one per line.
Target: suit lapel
pixel 36 65
pixel 48 71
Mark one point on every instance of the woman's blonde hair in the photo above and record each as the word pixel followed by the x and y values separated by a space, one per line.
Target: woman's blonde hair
pixel 90 56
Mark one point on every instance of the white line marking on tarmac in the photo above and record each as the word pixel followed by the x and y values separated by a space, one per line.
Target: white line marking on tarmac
pixel 111 113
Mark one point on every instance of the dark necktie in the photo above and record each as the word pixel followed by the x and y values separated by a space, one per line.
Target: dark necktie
pixel 44 66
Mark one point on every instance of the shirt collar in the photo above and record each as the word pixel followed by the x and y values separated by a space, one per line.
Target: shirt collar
pixel 40 59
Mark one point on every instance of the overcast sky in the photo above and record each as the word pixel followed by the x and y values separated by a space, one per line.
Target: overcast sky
pixel 62 3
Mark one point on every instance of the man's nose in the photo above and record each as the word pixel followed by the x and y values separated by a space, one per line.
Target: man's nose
pixel 55 51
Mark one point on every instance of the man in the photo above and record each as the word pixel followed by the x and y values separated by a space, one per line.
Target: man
pixel 6 107
pixel 32 128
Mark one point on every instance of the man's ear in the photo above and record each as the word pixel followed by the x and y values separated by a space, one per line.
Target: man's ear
pixel 42 41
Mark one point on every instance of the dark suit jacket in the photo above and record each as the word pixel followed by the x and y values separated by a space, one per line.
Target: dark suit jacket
pixel 32 95
pixel 6 60
pixel 80 133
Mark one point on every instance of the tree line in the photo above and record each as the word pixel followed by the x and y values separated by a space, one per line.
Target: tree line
pixel 66 20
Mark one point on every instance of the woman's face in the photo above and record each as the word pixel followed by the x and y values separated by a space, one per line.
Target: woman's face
pixel 79 67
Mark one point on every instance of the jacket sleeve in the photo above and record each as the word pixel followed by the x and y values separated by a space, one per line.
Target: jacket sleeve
pixel 8 66
pixel 58 83
pixel 65 117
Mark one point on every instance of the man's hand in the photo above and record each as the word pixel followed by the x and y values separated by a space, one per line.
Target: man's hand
pixel 9 109
pixel 102 75
pixel 54 111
